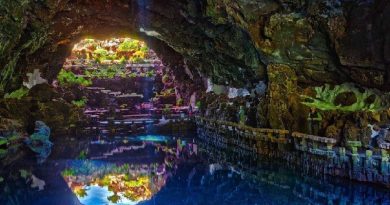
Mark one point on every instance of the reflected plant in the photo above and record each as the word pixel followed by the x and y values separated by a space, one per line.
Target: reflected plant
pixel 114 198
pixel 68 172
pixel 80 192
pixel 82 155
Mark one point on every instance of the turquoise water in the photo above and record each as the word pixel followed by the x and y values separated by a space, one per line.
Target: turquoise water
pixel 157 169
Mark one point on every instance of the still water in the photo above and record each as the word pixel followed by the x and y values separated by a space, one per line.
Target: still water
pixel 171 170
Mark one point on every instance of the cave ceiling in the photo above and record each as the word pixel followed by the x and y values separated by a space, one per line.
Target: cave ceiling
pixel 230 41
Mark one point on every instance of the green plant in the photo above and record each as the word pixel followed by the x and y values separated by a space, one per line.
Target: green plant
pixel 326 97
pixel 167 92
pixel 136 59
pixel 68 172
pixel 68 78
pixel 133 75
pixel 82 155
pixel 179 101
pixel 166 110
pixel 122 60
pixel 17 94
pixel 150 73
pixel 165 78
pixel 129 45
pixel 80 103
pixel 100 53
pixel 24 173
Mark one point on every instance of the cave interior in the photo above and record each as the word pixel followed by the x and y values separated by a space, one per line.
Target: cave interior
pixel 255 88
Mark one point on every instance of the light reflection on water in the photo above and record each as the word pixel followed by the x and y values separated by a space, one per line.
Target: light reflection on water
pixel 104 182
pixel 169 172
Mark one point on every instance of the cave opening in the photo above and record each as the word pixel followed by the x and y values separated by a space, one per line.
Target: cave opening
pixel 121 81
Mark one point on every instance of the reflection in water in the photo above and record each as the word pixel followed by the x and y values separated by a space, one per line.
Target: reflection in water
pixel 98 182
pixel 176 172
pixel 153 138
pixel 94 184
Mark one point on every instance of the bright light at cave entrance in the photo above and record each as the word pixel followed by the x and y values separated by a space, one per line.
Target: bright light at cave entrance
pixel 115 50
pixel 99 65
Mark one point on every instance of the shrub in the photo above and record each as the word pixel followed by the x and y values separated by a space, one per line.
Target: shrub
pixel 129 45
pixel 17 94
pixel 179 102
pixel 150 73
pixel 80 103
pixel 366 99
pixel 68 78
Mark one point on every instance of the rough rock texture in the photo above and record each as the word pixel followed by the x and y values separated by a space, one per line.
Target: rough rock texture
pixel 283 100
pixel 42 103
pixel 322 40
pixel 229 41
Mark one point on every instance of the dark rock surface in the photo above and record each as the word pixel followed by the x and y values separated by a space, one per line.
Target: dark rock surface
pixel 42 103
pixel 292 45
pixel 230 41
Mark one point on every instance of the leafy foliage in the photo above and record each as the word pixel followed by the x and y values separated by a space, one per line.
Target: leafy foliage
pixel 17 94
pixel 82 155
pixel 168 92
pixel 101 55
pixel 68 172
pixel 179 102
pixel 9 143
pixel 129 45
pixel 109 71
pixel 326 96
pixel 12 45
pixel 80 103
pixel 68 78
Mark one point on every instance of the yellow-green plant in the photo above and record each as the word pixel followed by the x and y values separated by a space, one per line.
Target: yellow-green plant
pixel 17 94
pixel 326 96
pixel 80 103
pixel 68 78
pixel 129 45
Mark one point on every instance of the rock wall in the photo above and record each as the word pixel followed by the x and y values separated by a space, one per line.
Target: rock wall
pixel 282 95
pixel 230 41
pixel 292 45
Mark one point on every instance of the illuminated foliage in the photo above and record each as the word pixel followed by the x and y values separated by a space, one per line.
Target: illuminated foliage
pixel 129 45
pixel 80 103
pixel 121 181
pixel 17 94
pixel 325 99
pixel 68 78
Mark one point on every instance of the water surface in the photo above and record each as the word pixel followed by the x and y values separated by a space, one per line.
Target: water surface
pixel 157 169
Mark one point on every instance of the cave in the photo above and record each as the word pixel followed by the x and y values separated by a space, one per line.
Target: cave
pixel 194 102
